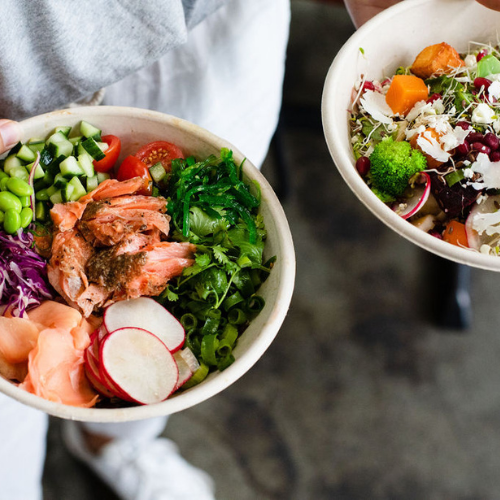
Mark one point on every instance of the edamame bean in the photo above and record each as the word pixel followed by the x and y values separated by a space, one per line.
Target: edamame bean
pixel 3 183
pixel 19 187
pixel 2 216
pixel 26 217
pixel 3 175
pixel 25 201
pixel 42 195
pixel 12 221
pixel 10 201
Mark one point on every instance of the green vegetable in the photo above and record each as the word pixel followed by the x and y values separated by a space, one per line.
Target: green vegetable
pixel 19 187
pixel 488 65
pixel 393 164
pixel 9 201
pixel 12 221
pixel 26 217
pixel 211 206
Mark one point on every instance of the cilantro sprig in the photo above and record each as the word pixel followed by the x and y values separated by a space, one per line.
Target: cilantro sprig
pixel 213 207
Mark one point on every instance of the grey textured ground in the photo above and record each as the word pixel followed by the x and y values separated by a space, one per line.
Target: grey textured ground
pixel 362 396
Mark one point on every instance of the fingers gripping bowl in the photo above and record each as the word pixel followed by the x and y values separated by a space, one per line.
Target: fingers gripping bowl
pixel 412 25
pixel 137 127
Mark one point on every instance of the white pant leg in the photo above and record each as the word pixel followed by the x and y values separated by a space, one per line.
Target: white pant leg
pixel 140 430
pixel 227 78
pixel 23 431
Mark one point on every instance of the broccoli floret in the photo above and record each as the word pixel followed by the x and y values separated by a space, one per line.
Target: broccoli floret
pixel 393 164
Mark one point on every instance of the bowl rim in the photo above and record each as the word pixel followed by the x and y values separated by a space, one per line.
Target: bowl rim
pixel 262 341
pixel 335 129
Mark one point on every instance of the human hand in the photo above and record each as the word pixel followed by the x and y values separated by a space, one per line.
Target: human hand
pixel 10 135
pixel 363 10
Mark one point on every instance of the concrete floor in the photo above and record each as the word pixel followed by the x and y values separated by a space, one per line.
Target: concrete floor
pixel 362 396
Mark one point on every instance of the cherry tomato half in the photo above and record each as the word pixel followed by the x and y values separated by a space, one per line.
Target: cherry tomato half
pixel 133 167
pixel 159 151
pixel 112 153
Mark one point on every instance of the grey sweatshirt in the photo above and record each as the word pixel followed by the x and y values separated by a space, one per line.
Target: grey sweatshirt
pixel 53 52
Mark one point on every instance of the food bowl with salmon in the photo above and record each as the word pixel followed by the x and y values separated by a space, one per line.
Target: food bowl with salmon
pixel 407 119
pixel 146 264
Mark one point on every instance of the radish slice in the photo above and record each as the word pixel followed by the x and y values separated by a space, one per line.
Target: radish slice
pixel 484 215
pixel 147 314
pixel 417 201
pixel 139 364
pixel 189 358
pixel 184 371
pixel 92 372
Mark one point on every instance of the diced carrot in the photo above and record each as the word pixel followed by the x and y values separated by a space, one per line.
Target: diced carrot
pixel 431 161
pixel 436 59
pixel 455 234
pixel 405 91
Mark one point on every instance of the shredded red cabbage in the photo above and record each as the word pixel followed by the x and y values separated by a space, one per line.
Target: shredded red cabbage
pixel 23 274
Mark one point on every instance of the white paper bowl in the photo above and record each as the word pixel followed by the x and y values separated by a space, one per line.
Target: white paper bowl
pixel 136 127
pixel 391 39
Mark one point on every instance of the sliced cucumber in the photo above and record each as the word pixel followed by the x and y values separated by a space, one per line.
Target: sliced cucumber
pixel 20 173
pixel 16 148
pixel 79 190
pixel 26 154
pixel 62 146
pixel 89 130
pixel 56 197
pixel 36 146
pixel 92 183
pixel 63 130
pixel 70 167
pixel 75 140
pixel 67 192
pixel 51 191
pixel 91 147
pixel 12 161
pixel 103 176
pixel 60 181
pixel 85 162
pixel 41 211
pixel 39 173
pixel 103 146
pixel 157 172
pixel 47 155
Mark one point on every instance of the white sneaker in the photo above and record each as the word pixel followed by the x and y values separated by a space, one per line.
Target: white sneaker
pixel 151 470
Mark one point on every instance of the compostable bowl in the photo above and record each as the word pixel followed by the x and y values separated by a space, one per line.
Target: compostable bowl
pixel 392 39
pixel 136 127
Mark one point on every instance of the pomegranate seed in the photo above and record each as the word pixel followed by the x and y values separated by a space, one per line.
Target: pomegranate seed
pixel 474 137
pixel 495 156
pixel 481 148
pixel 482 82
pixel 436 234
pixel 433 98
pixel 363 165
pixel 463 148
pixel 464 125
pixel 368 86
pixel 491 140
pixel 481 54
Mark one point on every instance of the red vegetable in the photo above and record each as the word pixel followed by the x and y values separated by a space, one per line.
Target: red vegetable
pixel 23 274
pixel 159 151
pixel 133 167
pixel 112 153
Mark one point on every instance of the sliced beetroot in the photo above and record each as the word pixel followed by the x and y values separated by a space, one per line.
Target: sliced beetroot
pixel 139 365
pixel 147 314
pixel 454 200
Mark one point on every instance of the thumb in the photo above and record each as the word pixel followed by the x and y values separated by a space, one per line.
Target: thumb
pixel 10 134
